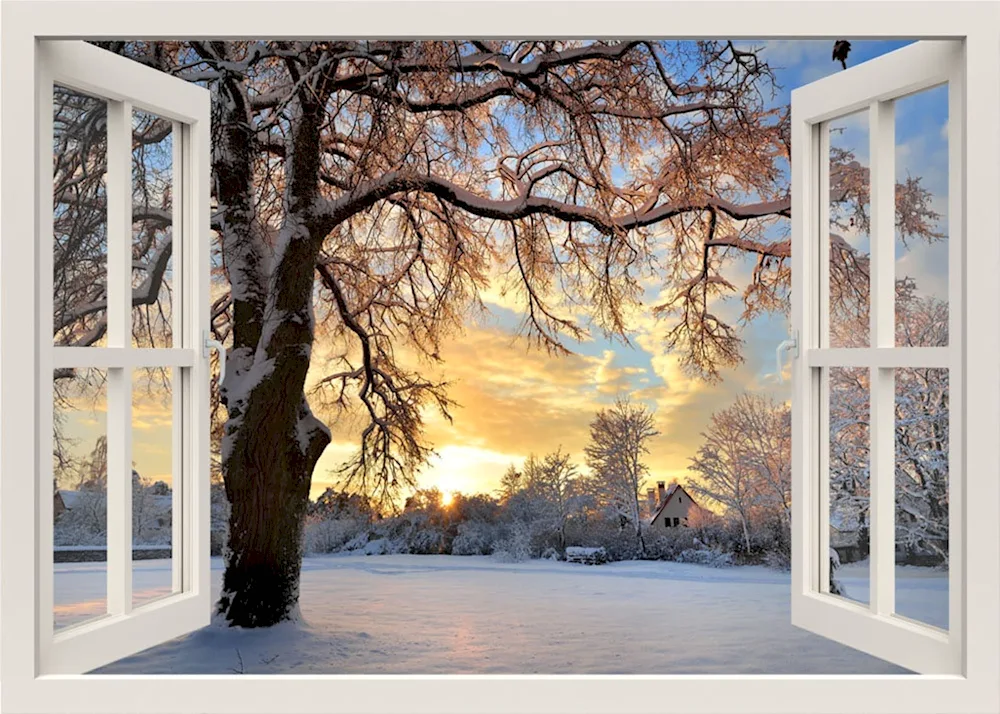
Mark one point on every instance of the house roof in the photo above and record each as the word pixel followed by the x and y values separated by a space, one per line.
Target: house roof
pixel 845 519
pixel 672 490
pixel 69 498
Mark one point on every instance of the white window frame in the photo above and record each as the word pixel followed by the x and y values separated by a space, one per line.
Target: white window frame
pixel 873 86
pixel 974 690
pixel 126 85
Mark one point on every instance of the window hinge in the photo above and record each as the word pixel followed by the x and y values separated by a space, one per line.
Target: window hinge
pixel 790 345
pixel 208 345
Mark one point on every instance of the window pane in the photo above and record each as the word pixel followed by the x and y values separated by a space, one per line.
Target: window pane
pixel 152 254
pixel 922 495
pixel 79 217
pixel 849 226
pixel 850 495
pixel 922 220
pixel 80 495
pixel 152 482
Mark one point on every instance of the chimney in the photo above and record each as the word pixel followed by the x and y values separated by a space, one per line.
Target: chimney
pixel 651 499
pixel 662 492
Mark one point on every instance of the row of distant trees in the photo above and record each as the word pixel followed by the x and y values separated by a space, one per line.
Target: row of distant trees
pixel 741 474
pixel 542 506
pixel 85 520
pixel 743 465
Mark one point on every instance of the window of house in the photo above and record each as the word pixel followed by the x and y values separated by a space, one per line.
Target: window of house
pixel 140 345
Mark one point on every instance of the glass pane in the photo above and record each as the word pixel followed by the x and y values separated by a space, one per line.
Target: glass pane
pixel 922 495
pixel 152 481
pixel 152 254
pixel 79 217
pixel 922 220
pixel 849 485
pixel 80 495
pixel 849 226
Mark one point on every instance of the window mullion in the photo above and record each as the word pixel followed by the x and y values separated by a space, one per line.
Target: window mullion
pixel 882 426
pixel 45 400
pixel 823 322
pixel 956 372
pixel 119 453
pixel 181 304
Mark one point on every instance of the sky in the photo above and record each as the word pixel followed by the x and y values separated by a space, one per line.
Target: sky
pixel 514 400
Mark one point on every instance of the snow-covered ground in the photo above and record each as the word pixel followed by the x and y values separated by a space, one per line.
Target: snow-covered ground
pixel 420 614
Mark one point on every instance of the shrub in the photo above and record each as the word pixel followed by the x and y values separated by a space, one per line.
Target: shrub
pixel 514 546
pixel 329 535
pixel 704 556
pixel 778 559
pixel 670 543
pixel 474 538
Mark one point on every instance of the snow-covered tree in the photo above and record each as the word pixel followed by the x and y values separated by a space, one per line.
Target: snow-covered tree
pixel 510 483
pixel 724 471
pixel 921 432
pixel 554 480
pixel 744 463
pixel 619 439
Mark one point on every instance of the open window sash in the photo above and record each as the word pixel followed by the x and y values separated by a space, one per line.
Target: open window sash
pixel 126 85
pixel 874 628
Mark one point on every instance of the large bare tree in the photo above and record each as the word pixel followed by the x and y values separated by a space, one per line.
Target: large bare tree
pixel 368 191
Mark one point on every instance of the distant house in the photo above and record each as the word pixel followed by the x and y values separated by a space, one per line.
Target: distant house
pixel 64 500
pixel 670 506
pixel 845 535
pixel 58 504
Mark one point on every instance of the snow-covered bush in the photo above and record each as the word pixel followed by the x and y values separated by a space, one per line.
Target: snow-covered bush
pixel 85 523
pixel 328 535
pixel 704 556
pixel 514 546
pixel 777 559
pixel 669 543
pixel 474 538
pixel 551 554
pixel 358 542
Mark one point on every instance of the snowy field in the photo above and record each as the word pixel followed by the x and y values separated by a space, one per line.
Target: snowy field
pixel 419 614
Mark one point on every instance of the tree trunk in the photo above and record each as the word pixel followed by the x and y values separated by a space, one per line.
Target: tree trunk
pixel 638 522
pixel 272 441
pixel 746 532
pixel 268 477
pixel 270 448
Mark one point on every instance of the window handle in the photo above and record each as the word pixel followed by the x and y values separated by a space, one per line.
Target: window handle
pixel 789 345
pixel 209 344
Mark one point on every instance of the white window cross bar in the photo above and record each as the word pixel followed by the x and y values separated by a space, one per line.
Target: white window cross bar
pixel 121 357
pixel 880 357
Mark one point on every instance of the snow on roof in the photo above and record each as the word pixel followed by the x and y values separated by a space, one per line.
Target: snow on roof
pixel 844 519
pixel 69 498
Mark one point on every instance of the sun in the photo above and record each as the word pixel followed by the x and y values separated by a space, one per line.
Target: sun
pixel 447 498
